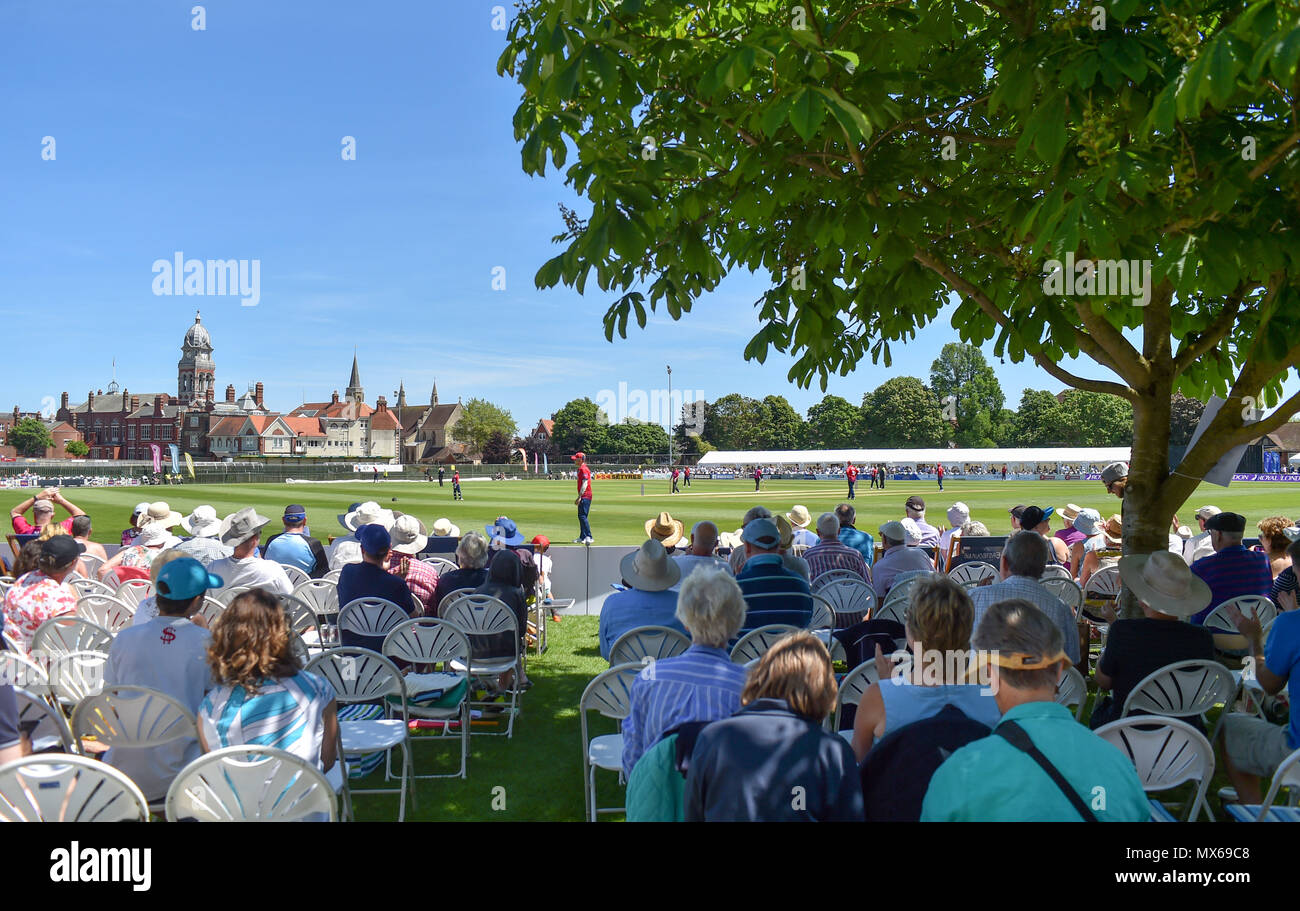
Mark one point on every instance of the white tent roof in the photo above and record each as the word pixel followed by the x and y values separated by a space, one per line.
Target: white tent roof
pixel 1099 455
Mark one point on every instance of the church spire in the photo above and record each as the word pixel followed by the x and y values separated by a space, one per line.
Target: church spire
pixel 355 392
pixel 433 399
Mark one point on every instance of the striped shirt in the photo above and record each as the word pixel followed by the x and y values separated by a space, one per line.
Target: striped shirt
pixel 701 684
pixel 1026 589
pixel 421 579
pixel 287 713
pixel 1231 573
pixel 829 555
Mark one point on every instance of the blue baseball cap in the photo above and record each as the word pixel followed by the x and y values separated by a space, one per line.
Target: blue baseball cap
pixel 186 578
pixel 374 539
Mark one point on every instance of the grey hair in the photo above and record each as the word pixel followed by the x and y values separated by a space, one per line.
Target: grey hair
pixel 828 525
pixel 472 551
pixel 975 529
pixel 711 606
pixel 1014 627
pixel 1027 554
pixel 755 512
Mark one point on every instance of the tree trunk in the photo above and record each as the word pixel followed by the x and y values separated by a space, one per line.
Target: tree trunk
pixel 1152 494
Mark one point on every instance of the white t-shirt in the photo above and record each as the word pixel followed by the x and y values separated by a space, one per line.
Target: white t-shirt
pixel 168 654
pixel 251 572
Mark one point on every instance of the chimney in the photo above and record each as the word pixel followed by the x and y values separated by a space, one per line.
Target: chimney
pixel 158 405
pixel 135 403
pixel 166 399
pixel 257 395
pixel 72 419
pixel 15 414
pixel 63 402
pixel 90 401
pixel 125 400
pixel 230 394
pixel 209 403
pixel 381 404
pixel 334 399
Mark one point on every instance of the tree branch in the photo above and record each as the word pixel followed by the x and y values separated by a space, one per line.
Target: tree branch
pixel 1192 348
pixel 1100 335
pixel 1275 156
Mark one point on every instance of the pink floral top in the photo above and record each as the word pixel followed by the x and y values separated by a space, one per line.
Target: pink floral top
pixel 137 556
pixel 33 599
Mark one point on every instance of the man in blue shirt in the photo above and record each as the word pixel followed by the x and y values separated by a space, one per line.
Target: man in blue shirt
pixel 860 541
pixel 370 579
pixel 773 594
pixel 991 780
pixel 1232 570
pixel 1254 748
pixel 649 601
pixel 293 546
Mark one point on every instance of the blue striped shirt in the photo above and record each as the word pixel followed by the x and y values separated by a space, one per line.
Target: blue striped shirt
pixel 1231 573
pixel 701 684
pixel 287 713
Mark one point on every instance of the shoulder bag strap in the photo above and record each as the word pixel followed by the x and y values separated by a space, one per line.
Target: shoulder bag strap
pixel 1015 735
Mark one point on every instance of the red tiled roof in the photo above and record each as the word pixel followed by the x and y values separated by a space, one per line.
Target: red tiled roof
pixel 303 427
pixel 384 420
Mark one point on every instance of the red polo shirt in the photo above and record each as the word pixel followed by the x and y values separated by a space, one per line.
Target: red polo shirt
pixel 851 473
pixel 584 474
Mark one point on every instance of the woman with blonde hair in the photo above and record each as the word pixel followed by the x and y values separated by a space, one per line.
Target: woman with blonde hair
pixel 938 619
pixel 1273 537
pixel 262 695
pixel 773 761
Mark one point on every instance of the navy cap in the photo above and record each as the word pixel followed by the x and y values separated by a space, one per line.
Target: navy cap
pixel 374 539
pixel 295 511
pixel 186 578
pixel 1224 521
pixel 62 549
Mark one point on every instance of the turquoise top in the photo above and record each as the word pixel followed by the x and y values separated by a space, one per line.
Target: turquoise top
pixel 992 781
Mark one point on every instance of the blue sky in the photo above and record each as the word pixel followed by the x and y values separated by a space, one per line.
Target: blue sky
pixel 225 144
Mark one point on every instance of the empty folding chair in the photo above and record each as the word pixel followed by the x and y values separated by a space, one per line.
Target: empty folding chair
pixel 609 693
pixel 68 788
pixel 647 643
pixel 251 784
pixel 1166 753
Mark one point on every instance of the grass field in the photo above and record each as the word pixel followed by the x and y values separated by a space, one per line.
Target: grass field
pixel 619 510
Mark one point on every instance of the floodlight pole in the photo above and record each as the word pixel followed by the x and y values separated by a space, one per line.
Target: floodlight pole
pixel 670 420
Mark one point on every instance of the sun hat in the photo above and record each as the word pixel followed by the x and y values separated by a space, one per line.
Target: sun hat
pixel 505 529
pixel 1069 513
pixel 369 513
pixel 139 508
pixel 1165 582
pixel 648 568
pixel 1227 521
pixel 915 503
pixel 664 529
pixel 343 519
pixel 160 513
pixel 345 552
pixel 443 528
pixel 912 531
pixel 374 539
pixel 155 534
pixel 238 527
pixel 799 516
pixel 407 537
pixel 958 514
pixel 186 578
pixel 203 522
pixel 1208 512
pixel 1113 472
pixel 762 533
pixel 786 529
pixel 1088 521
pixel 1113 529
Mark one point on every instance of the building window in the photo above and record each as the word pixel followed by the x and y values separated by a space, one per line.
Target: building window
pixel 194 420
pixel 130 433
pixel 146 432
pixel 165 432
pixel 194 441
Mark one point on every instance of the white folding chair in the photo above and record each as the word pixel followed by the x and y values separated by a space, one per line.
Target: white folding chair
pixel 647 643
pixel 1183 689
pixel 432 642
pixel 360 675
pixel 1226 637
pixel 211 609
pixel 226 595
pixel 823 615
pixel 93 565
pixel 850 599
pixel 322 595
pixel 113 614
pixel 10 642
pixel 754 644
pixel 480 616
pixel 609 693
pixel 835 575
pixel 371 617
pixel 1286 776
pixel 76 675
pixel 976 572
pixel 441 564
pixel 295 574
pixel 1072 692
pixel 133 591
pixel 69 633
pixel 450 598
pixel 1054 571
pixel 894 610
pixel 1166 753
pixel 48 727
pixel 20 672
pixel 250 784
pixel 301 616
pixel 85 587
pixel 1068 591
pixel 68 788
pixel 134 718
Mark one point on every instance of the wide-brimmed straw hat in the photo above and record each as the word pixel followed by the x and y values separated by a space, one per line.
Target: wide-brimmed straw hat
pixel 1165 582
pixel 1069 512
pixel 203 522
pixel 649 569
pixel 443 528
pixel 159 513
pixel 799 516
pixel 664 529
pixel 1113 529
pixel 369 513
pixel 407 537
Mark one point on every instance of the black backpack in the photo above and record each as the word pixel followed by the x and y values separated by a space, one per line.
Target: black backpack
pixel 897 771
